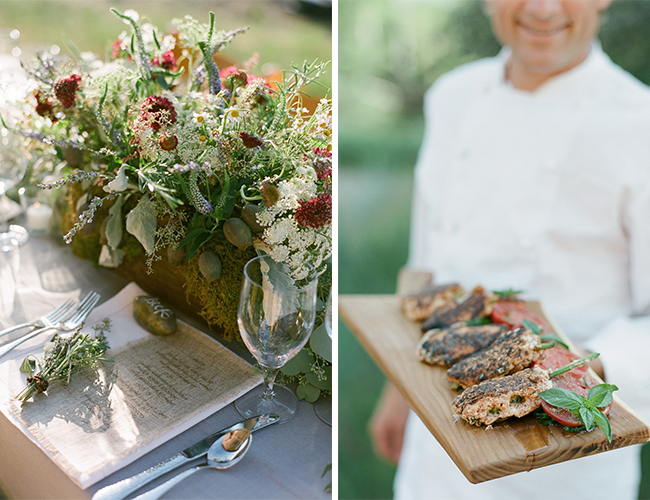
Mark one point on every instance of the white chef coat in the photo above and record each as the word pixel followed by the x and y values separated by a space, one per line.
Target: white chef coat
pixel 547 192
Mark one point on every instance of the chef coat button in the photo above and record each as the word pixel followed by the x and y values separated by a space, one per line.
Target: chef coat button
pixel 526 243
pixel 551 164
pixel 464 153
pixel 582 103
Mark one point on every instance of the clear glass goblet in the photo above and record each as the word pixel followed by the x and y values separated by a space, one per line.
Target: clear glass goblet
pixel 323 405
pixel 13 164
pixel 328 315
pixel 275 317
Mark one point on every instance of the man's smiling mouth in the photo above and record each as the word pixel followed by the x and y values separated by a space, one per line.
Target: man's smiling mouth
pixel 542 31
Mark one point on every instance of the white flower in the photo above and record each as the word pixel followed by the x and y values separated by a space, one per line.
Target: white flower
pixel 132 14
pixel 118 184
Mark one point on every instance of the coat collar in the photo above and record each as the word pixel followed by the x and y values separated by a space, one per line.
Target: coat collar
pixel 567 84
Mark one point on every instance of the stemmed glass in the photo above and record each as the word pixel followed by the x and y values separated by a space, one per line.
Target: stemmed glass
pixel 13 164
pixel 323 405
pixel 275 317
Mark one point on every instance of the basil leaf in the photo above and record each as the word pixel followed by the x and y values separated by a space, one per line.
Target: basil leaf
pixel 603 422
pixel 587 417
pixel 563 398
pixel 601 395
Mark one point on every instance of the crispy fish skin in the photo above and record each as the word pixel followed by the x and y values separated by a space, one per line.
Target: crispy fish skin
pixel 419 306
pixel 511 352
pixel 515 395
pixel 476 305
pixel 448 346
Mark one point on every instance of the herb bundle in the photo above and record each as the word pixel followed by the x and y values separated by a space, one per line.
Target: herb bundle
pixel 63 358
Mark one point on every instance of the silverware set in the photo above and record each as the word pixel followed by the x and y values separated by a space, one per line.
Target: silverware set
pixel 214 448
pixel 66 317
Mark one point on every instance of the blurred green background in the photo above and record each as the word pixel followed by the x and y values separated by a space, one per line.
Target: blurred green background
pixel 282 32
pixel 390 52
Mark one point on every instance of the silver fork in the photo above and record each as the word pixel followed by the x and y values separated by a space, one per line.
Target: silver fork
pixel 79 315
pixel 47 320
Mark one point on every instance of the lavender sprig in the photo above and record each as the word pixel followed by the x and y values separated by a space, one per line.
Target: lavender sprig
pixel 87 216
pixel 143 58
pixel 195 196
pixel 78 176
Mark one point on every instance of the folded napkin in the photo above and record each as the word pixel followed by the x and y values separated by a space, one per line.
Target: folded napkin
pixel 155 388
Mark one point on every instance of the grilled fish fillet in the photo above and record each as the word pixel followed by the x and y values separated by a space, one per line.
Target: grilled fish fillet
pixel 475 305
pixel 448 346
pixel 511 352
pixel 515 395
pixel 419 306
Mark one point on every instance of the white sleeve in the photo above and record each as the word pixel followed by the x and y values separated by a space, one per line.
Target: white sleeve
pixel 637 223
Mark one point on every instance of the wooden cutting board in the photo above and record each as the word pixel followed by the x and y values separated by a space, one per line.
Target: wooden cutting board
pixel 481 453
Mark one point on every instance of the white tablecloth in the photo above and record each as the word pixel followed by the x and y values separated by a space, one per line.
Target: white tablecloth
pixel 285 461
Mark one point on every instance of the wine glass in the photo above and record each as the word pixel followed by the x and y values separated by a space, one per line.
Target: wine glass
pixel 275 317
pixel 13 164
pixel 323 405
pixel 328 316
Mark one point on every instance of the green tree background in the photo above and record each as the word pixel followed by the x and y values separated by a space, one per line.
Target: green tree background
pixel 390 52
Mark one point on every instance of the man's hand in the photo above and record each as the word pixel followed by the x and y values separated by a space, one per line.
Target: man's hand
pixel 388 423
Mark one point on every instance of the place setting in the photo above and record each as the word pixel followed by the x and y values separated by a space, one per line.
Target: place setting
pixel 170 207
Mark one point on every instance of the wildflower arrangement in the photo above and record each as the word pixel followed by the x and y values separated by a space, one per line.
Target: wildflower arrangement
pixel 164 151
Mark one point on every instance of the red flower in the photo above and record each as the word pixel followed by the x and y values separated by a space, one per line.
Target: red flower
pixel 44 107
pixel 250 141
pixel 238 77
pixel 159 111
pixel 116 47
pixel 316 212
pixel 168 61
pixel 65 90
pixel 323 163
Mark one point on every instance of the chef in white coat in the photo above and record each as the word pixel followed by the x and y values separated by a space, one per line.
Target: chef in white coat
pixel 534 174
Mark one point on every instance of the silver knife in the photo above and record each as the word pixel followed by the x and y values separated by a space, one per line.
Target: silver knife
pixel 123 488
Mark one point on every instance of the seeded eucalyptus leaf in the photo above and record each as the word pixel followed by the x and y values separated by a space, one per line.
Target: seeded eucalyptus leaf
pixel 563 398
pixel 601 395
pixel 321 343
pixel 300 363
pixel 603 422
pixel 325 384
pixel 308 392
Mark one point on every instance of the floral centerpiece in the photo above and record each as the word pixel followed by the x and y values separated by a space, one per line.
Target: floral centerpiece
pixel 159 151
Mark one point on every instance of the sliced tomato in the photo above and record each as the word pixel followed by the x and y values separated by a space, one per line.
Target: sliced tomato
pixel 514 313
pixel 578 380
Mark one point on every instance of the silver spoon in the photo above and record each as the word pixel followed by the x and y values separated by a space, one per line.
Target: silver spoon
pixel 223 454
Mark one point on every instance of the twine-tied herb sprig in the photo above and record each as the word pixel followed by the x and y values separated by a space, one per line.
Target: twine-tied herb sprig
pixel 63 358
